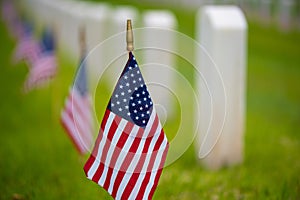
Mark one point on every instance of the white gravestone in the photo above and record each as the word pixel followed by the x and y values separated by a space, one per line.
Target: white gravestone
pixel 96 25
pixel 222 31
pixel 265 10
pixel 158 61
pixel 286 13
pixel 75 19
pixel 66 29
pixel 69 16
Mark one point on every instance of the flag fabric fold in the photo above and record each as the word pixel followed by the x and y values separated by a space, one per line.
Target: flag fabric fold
pixel 76 116
pixel 131 148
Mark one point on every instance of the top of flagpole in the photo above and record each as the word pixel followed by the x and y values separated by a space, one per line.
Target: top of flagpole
pixel 129 36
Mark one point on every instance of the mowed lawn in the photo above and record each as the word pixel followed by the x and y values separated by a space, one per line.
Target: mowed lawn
pixel 38 161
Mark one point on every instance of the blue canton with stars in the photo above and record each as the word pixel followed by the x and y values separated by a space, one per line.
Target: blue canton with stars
pixel 130 99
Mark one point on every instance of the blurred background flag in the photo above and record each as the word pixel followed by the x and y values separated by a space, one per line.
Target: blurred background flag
pixel 44 68
pixel 28 48
pixel 131 147
pixel 76 117
pixel 11 18
pixel 8 11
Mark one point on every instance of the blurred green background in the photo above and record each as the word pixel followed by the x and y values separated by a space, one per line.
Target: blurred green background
pixel 38 161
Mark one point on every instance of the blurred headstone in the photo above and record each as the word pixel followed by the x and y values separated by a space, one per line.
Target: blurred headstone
pixel 265 10
pixel 75 14
pixel 253 7
pixel 158 60
pixel 96 24
pixel 226 2
pixel 64 19
pixel 285 13
pixel 222 32
pixel 193 4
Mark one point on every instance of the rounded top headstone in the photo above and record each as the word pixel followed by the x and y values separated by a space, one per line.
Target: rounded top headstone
pixel 161 19
pixel 122 13
pixel 228 17
pixel 97 10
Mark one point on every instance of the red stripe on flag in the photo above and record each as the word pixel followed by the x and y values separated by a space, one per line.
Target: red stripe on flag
pixel 130 185
pixel 88 164
pixel 98 173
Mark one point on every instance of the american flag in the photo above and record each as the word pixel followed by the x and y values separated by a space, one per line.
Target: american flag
pixel 28 48
pixel 45 66
pixel 76 117
pixel 131 148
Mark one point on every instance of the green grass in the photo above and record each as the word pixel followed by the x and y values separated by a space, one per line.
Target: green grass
pixel 38 161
